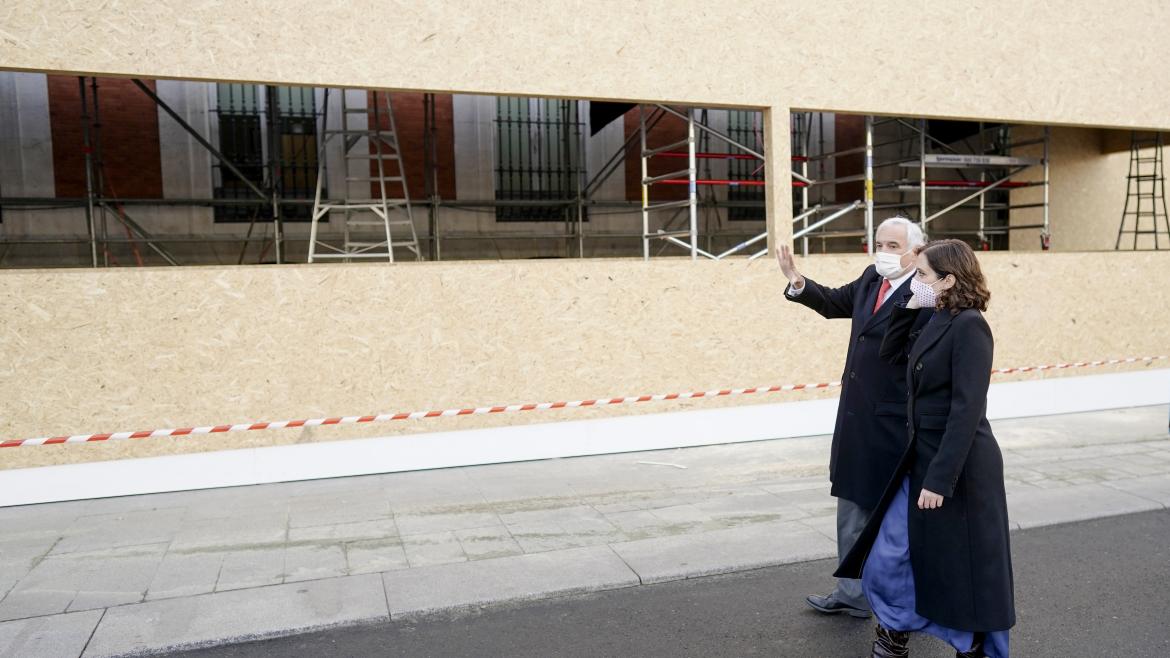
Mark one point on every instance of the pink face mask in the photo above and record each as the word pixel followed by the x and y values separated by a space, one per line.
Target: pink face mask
pixel 927 297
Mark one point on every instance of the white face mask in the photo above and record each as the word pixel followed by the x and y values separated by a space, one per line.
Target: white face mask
pixel 925 293
pixel 888 265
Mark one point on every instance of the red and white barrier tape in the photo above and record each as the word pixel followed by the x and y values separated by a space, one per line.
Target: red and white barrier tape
pixel 350 420
pixel 1079 364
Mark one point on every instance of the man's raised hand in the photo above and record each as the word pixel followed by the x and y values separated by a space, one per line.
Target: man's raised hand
pixel 788 266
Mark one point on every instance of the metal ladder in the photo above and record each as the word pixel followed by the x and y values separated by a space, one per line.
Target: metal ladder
pixel 370 214
pixel 1145 193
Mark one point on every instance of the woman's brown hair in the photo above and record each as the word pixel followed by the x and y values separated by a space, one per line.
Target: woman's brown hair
pixel 954 257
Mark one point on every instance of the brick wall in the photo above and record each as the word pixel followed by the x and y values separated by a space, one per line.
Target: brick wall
pixel 410 119
pixel 850 133
pixel 129 138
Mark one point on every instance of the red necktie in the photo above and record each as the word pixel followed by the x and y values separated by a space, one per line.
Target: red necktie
pixel 881 294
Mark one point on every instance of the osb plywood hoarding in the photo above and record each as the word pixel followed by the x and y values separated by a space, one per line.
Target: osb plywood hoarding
pixel 110 350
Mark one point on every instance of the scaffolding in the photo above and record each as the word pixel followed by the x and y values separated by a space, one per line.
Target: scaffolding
pixel 996 171
pixel 96 183
pixel 980 171
pixel 690 178
pixel 981 176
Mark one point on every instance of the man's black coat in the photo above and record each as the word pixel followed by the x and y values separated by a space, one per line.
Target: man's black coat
pixel 870 434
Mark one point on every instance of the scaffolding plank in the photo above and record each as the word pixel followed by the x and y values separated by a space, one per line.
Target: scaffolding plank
pixel 963 161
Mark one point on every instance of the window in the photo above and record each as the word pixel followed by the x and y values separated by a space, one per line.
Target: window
pixel 538 157
pixel 747 128
pixel 243 139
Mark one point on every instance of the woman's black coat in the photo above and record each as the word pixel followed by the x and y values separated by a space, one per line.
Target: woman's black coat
pixel 960 553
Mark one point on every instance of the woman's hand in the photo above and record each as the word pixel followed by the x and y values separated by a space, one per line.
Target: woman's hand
pixel 929 500
pixel 788 266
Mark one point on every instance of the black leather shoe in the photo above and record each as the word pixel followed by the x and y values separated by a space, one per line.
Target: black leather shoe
pixel 831 606
pixel 891 644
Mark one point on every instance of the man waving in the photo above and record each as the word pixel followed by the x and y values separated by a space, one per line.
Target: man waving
pixel 870 432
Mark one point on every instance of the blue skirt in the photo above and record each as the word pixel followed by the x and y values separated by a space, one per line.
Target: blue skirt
pixel 888 583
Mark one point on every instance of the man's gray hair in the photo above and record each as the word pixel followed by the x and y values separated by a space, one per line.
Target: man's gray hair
pixel 915 237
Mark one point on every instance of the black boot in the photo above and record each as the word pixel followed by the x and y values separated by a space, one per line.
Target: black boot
pixel 976 650
pixel 890 644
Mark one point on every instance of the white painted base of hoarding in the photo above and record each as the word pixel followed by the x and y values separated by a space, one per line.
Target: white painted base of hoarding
pixel 528 442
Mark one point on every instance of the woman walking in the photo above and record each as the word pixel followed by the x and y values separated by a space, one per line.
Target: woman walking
pixel 935 555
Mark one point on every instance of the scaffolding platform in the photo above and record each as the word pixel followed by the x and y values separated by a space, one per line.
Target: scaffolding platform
pixel 970 161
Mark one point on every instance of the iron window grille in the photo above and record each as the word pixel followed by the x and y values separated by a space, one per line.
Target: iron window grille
pixel 276 148
pixel 538 158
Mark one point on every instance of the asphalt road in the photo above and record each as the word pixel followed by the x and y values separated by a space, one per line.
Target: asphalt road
pixel 1098 588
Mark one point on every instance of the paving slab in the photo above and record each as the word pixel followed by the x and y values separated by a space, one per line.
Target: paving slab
pixel 421 523
pixel 722 551
pixel 233 531
pixel 251 568
pixel 639 524
pixel 431 490
pixel 433 548
pixel 224 617
pixel 345 532
pixel 337 507
pixel 56 635
pixel 1152 488
pixel 1065 504
pixel 115 529
pixel 185 574
pixel 826 525
pixel 82 581
pixel 750 505
pixel 374 555
pixel 312 561
pixel 520 578
pixel 486 543
pixel 39 523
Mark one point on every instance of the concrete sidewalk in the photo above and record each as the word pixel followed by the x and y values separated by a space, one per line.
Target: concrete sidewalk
pixel 147 573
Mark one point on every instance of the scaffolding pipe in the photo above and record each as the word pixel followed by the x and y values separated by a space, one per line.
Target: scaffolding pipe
pixel 121 216
pixel 1046 234
pixel 693 190
pixel 710 156
pixel 716 133
pixel 321 175
pixel 611 165
pixel 841 179
pixel 671 177
pixel 984 190
pixel 869 184
pixel 814 226
pixel 199 138
pixel 662 150
pixel 804 190
pixel 921 175
pixel 741 246
pixel 710 181
pixel 693 248
pixel 645 189
pixel 808 213
pixel 89 193
pixel 272 112
pixel 99 167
